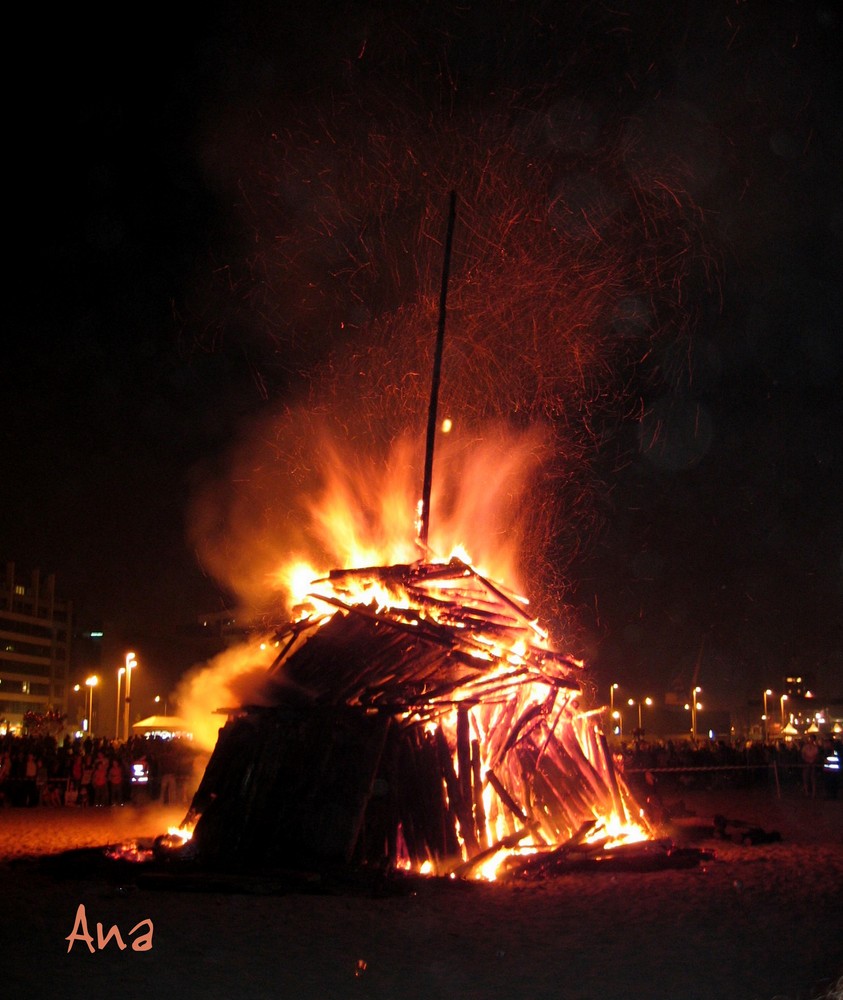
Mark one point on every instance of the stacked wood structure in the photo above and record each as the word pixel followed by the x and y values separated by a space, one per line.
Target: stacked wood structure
pixel 426 730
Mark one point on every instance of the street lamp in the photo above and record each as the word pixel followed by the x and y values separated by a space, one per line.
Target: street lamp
pixel 120 673
pixel 91 683
pixel 645 701
pixel 157 700
pixel 617 715
pixel 131 663
pixel 694 706
pixel 76 689
pixel 764 716
pixel 782 700
pixel 612 690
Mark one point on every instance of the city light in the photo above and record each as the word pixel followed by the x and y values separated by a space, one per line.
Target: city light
pixel 764 716
pixel 120 672
pixel 91 683
pixel 644 701
pixel 695 707
pixel 131 664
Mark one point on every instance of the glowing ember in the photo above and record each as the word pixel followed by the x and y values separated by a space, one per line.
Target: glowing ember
pixel 130 850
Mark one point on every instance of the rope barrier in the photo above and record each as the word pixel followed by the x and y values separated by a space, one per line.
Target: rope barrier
pixel 700 767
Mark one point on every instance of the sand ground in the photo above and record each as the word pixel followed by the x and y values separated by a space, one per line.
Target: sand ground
pixel 756 922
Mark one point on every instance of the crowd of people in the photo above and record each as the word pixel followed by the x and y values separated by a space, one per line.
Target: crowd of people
pixel 812 762
pixel 42 771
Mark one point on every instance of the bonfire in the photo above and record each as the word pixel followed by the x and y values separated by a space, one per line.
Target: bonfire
pixel 416 717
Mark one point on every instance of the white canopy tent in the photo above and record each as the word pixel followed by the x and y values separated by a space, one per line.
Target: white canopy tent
pixel 167 726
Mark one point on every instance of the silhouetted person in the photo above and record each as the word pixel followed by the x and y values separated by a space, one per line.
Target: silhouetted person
pixel 115 782
pixel 810 754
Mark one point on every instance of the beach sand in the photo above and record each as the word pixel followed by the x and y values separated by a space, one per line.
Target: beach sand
pixel 757 921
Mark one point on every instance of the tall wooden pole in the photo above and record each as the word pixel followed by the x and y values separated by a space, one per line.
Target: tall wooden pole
pixel 437 371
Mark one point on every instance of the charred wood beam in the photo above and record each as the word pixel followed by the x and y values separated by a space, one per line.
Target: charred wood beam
pixel 376 747
pixel 437 372
pixel 454 569
pixel 398 571
pixel 452 603
pixel 420 626
pixel 505 797
pixel 458 645
pixel 574 750
pixel 529 715
pixel 611 776
pixel 292 634
pixel 460 808
pixel 464 753
pixel 505 843
pixel 556 815
pixel 477 785
pixel 508 601
pixel 422 800
pixel 564 776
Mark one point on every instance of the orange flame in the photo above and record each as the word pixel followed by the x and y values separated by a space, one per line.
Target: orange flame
pixel 360 513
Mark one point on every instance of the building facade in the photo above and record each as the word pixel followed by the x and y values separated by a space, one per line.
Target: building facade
pixel 36 629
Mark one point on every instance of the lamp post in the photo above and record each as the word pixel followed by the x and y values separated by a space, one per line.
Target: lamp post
pixel 76 689
pixel 157 700
pixel 617 715
pixel 612 712
pixel 131 663
pixel 767 692
pixel 120 673
pixel 91 683
pixel 644 701
pixel 694 706
pixel 782 700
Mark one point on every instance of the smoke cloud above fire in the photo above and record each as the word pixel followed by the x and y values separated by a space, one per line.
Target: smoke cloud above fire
pixel 233 678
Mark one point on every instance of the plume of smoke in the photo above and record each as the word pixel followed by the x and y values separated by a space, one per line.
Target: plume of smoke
pixel 235 677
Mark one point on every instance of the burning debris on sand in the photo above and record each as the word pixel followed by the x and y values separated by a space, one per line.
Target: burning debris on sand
pixel 418 719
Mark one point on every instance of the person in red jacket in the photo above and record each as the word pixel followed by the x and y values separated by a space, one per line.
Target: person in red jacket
pixel 99 781
pixel 115 782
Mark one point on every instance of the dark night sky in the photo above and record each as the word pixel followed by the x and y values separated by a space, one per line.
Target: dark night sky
pixel 137 341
